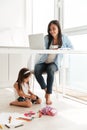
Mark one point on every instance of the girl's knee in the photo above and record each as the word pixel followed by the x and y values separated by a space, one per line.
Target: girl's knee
pixel 11 103
pixel 28 104
pixel 39 101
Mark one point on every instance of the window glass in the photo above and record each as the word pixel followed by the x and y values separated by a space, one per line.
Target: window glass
pixel 75 12
pixel 77 71
pixel 79 42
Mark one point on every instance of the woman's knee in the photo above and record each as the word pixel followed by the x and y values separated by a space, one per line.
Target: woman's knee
pixel 51 69
pixel 37 69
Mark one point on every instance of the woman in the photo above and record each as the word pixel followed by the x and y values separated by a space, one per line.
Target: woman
pixel 49 63
pixel 24 97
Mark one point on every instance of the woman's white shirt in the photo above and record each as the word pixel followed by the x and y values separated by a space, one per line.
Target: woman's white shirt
pixel 51 57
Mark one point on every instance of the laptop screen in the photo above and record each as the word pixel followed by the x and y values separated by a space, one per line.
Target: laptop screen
pixel 36 41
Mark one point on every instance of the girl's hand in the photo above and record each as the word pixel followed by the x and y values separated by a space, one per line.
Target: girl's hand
pixel 33 97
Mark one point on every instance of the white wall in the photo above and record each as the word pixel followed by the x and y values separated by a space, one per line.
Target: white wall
pixel 15 25
pixel 11 13
pixel 10 64
pixel 15 22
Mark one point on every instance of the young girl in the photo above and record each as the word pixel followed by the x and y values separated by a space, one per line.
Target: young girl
pixel 24 97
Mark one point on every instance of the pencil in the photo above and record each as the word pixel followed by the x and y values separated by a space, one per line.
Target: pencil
pixel 1 127
pixel 18 125
pixel 7 126
pixel 10 118
pixel 25 119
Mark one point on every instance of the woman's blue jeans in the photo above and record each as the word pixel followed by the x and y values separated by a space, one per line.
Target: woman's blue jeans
pixel 50 69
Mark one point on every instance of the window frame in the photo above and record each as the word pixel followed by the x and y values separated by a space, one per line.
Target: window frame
pixel 80 30
pixel 69 31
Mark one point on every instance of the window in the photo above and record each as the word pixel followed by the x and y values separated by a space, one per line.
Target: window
pixel 79 42
pixel 74 23
pixel 75 12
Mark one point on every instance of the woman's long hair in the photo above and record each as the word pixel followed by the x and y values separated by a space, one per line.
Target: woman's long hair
pixel 55 22
pixel 23 74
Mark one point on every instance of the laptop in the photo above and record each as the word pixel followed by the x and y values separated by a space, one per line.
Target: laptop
pixel 36 41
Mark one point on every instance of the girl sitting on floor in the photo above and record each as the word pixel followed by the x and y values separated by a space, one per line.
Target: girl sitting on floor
pixel 24 97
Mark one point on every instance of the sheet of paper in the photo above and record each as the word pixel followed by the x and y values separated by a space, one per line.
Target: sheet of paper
pixel 4 119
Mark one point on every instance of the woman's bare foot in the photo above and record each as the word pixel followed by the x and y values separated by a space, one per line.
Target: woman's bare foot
pixel 48 101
